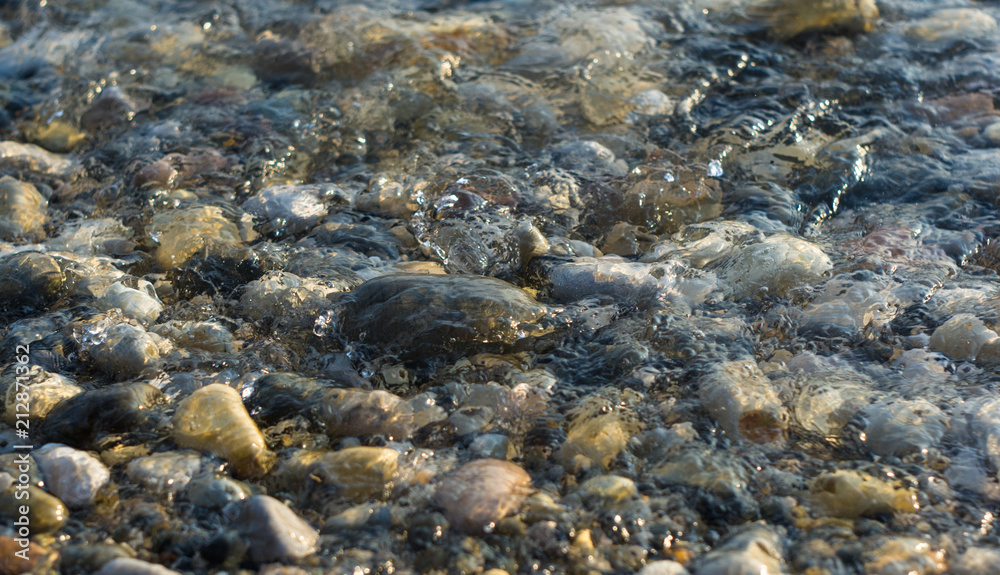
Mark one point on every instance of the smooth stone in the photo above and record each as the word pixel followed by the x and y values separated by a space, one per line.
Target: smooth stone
pixel 975 561
pixel 215 492
pixel 213 419
pixel 128 566
pixel 775 266
pixel 719 472
pixel 740 397
pixel 11 564
pixel 29 157
pixel 608 489
pixel 126 351
pixel 481 493
pixel 274 531
pixel 111 109
pixel 420 315
pixel 180 234
pixel 166 472
pixel 46 513
pixel 962 337
pixel 903 555
pixel 664 568
pixel 789 18
pixel 72 475
pixel 119 408
pixel 347 412
pixel 288 210
pixel 278 294
pixel 357 473
pixel 30 279
pixel 22 210
pixel 595 441
pixel 852 493
pixel 141 304
pixel 493 446
pixel 900 427
pixel 45 389
pixel 754 551
pixel 952 25
pixel 207 336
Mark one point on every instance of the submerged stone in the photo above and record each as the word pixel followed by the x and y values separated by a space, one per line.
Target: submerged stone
pixel 481 493
pixel 22 210
pixel 420 315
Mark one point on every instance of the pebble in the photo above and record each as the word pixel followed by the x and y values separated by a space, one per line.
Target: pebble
pixel 976 560
pixel 180 234
pixel 279 294
pixel 664 568
pixel 481 493
pixel 607 489
pixel 11 564
pixel 740 397
pixel 72 475
pixel 128 566
pixel 698 466
pixel 29 157
pixel 756 550
pixel 30 279
pixel 274 531
pixel 420 315
pixel 215 492
pixel 207 336
pixel 125 351
pixel 289 210
pixel 46 514
pixel 111 109
pixel 140 304
pixel 952 25
pixel 966 337
pixel 855 493
pixel 903 555
pixel 357 473
pixel 213 419
pixel 167 472
pixel 46 390
pixel 789 18
pixel 898 428
pixel 493 446
pixel 347 412
pixel 595 441
pixel 775 266
pixel 119 408
pixel 22 210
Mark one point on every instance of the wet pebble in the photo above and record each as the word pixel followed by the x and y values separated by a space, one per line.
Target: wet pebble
pixel 419 315
pixel 753 551
pixel 288 210
pixel 213 419
pixel 274 531
pixel 129 566
pixel 775 266
pixel 854 493
pixel 354 472
pixel 168 472
pixel 481 493
pixel 29 279
pixel 140 304
pixel 45 390
pixel 125 351
pixel 29 157
pixel 22 210
pixel 118 408
pixel 741 398
pixel 74 476
pixel 899 555
pixel 180 234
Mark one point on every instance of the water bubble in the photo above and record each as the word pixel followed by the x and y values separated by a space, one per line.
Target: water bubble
pixel 669 176
pixel 321 327
pixel 715 169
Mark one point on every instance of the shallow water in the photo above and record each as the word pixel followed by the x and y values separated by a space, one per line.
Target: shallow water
pixel 739 313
